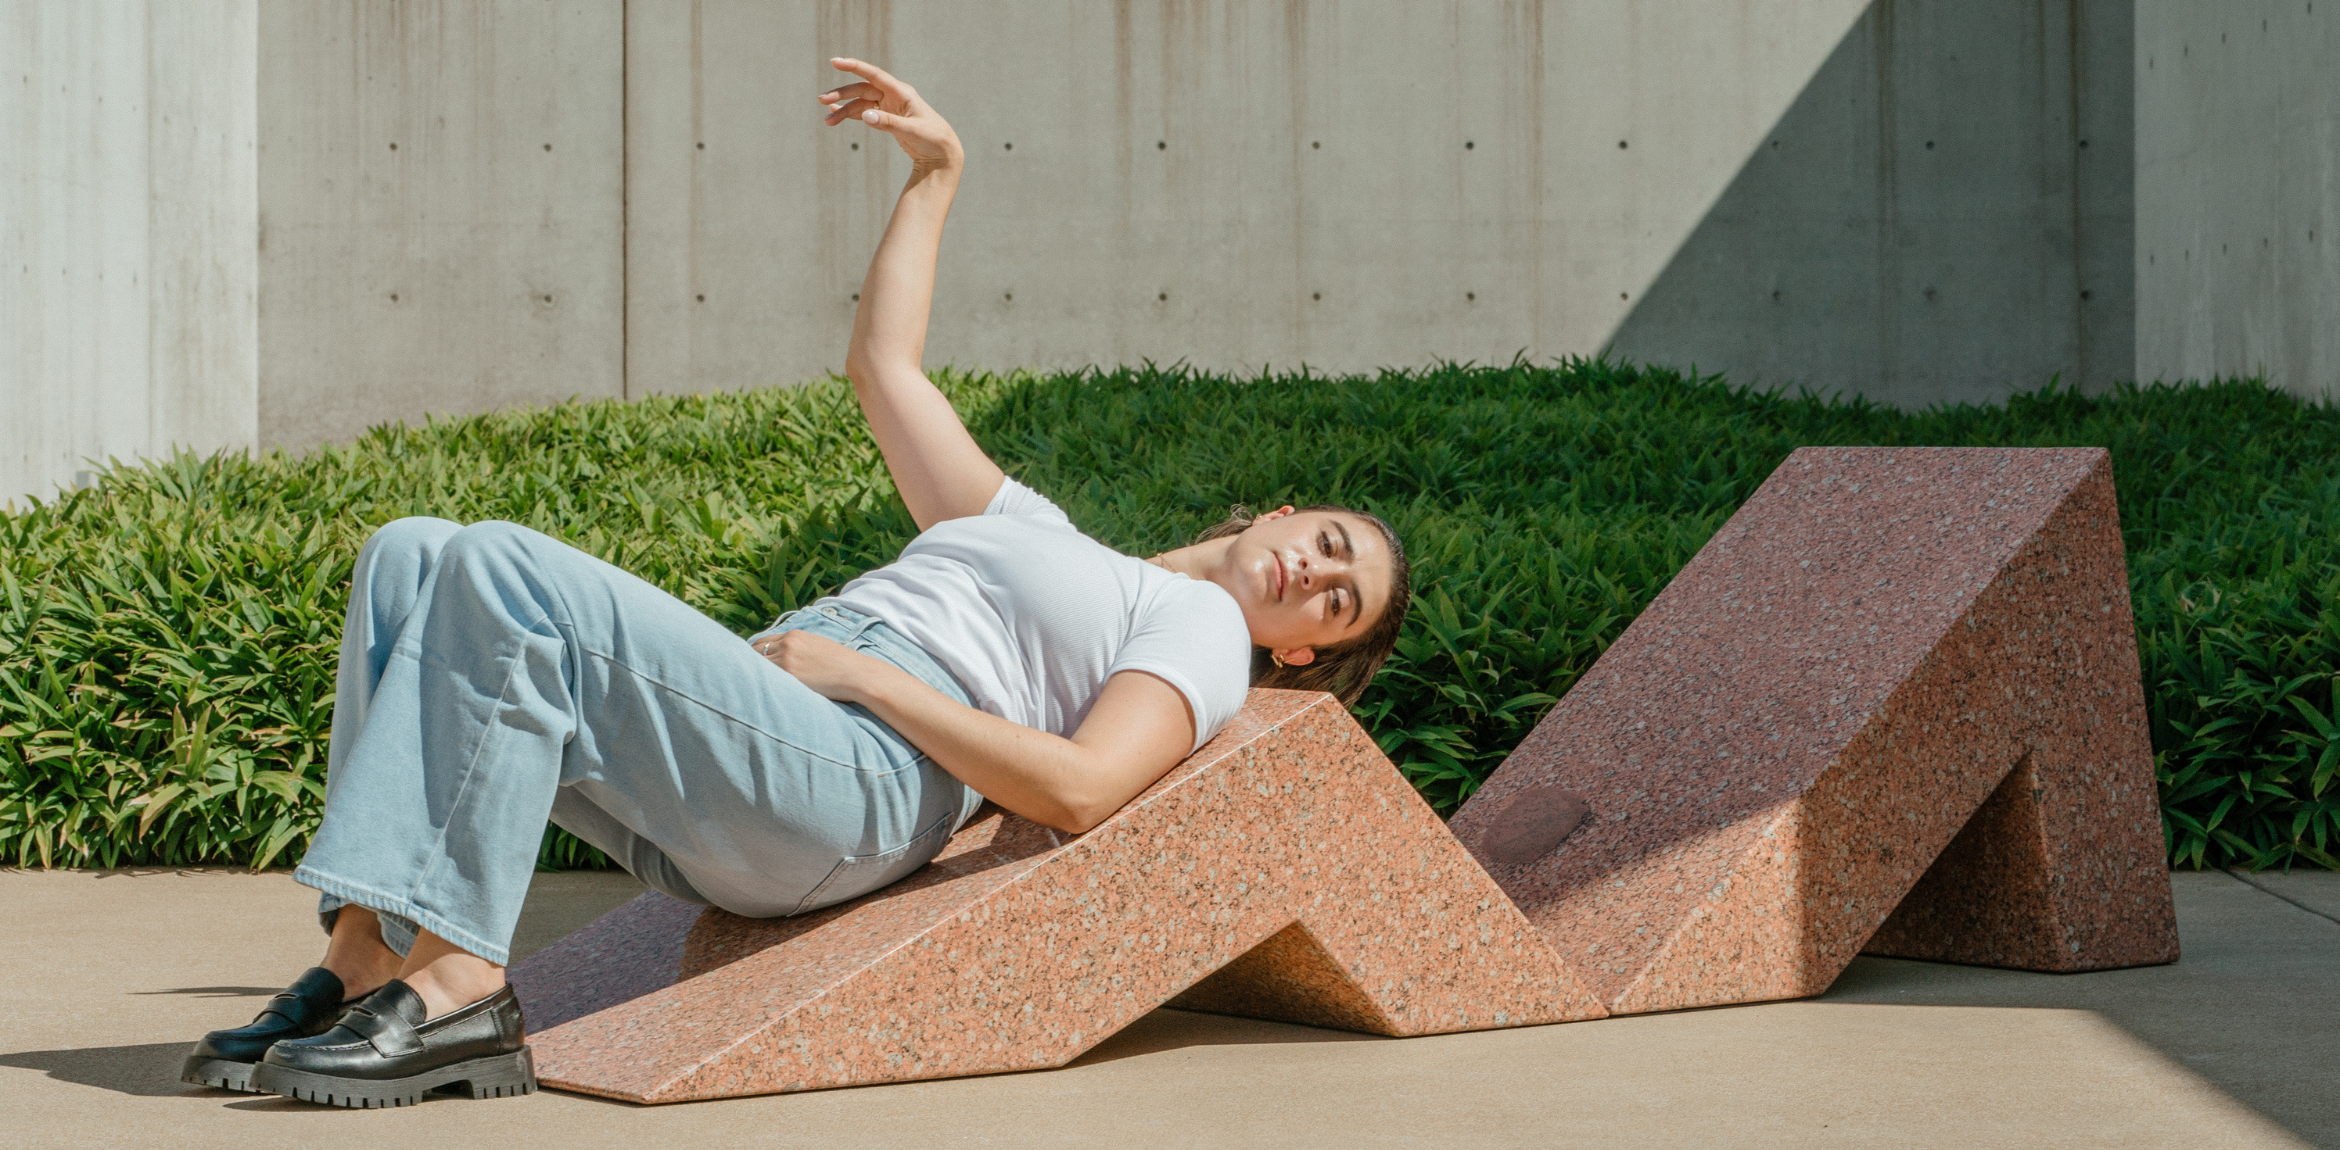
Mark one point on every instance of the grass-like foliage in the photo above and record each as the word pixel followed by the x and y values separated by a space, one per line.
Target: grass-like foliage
pixel 167 638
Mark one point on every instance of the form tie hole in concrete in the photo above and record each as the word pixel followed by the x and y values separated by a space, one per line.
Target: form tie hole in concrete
pixel 1470 295
pixel 857 146
pixel 1162 295
pixel 1620 145
pixel 702 299
pixel 1624 295
pixel 393 147
pixel 1011 297
pixel 1161 145
pixel 393 297
pixel 1008 147
pixel 702 145
pixel 1929 145
pixel 1316 295
pixel 548 147
pixel 1533 823
pixel 1469 144
pixel 1315 144
pixel 857 297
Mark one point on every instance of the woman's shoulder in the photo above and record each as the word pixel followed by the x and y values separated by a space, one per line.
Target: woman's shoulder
pixel 1200 604
pixel 1015 500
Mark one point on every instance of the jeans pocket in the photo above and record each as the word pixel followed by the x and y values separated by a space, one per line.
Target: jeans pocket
pixel 857 875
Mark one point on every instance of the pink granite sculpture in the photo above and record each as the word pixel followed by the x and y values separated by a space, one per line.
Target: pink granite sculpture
pixel 1893 704
pixel 1897 678
pixel 1286 870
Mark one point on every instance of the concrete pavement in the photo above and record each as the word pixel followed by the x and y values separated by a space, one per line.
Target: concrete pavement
pixel 106 976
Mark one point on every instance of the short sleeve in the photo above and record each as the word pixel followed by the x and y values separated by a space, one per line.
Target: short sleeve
pixel 1194 639
pixel 1014 498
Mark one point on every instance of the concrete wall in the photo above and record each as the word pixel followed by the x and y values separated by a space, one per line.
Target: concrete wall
pixel 441 208
pixel 1942 214
pixel 459 205
pixel 1890 198
pixel 127 208
pixel 2238 200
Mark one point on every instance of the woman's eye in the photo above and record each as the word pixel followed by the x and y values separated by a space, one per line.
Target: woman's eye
pixel 1324 543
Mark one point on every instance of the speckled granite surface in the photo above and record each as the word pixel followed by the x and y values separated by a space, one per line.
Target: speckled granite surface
pixel 1897 678
pixel 1287 856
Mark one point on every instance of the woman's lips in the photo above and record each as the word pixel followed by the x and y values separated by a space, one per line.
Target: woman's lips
pixel 1282 577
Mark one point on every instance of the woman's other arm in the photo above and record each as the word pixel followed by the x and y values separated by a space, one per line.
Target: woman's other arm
pixel 938 468
pixel 1136 731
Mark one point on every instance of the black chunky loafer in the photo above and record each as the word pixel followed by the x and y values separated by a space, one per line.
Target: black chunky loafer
pixel 384 1054
pixel 224 1058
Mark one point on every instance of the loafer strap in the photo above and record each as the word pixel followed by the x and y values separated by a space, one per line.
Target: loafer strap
pixel 287 1006
pixel 389 1033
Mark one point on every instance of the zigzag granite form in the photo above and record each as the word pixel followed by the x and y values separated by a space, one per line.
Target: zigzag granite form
pixel 1896 678
pixel 1286 860
pixel 1894 703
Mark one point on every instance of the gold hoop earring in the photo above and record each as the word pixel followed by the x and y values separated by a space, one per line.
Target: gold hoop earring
pixel 1278 658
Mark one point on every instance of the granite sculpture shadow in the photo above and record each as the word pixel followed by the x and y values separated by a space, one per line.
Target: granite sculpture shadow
pixel 1893 704
pixel 1285 870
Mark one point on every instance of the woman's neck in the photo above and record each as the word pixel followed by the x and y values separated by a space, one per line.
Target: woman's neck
pixel 1202 561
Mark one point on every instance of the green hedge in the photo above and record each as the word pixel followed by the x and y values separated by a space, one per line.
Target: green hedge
pixel 167 638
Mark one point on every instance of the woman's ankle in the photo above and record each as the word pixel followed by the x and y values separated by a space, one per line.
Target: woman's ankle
pixel 447 977
pixel 357 955
pixel 445 991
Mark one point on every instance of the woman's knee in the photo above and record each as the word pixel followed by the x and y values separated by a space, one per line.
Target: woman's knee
pixel 493 538
pixel 413 542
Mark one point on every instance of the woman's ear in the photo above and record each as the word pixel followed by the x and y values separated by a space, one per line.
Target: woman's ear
pixel 1297 656
pixel 1278 513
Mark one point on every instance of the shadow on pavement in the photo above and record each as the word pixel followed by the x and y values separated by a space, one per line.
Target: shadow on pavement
pixel 149 1070
pixel 2250 1007
pixel 1167 1029
pixel 218 991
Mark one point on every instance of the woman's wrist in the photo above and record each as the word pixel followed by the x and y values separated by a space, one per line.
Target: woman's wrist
pixel 942 173
pixel 875 683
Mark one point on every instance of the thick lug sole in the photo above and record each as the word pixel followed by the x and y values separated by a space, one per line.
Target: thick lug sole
pixel 218 1073
pixel 495 1076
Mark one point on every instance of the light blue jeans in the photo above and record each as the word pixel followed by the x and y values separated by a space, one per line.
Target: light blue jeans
pixel 492 677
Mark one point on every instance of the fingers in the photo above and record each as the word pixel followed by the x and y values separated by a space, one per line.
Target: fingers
pixel 852 110
pixel 884 80
pixel 850 92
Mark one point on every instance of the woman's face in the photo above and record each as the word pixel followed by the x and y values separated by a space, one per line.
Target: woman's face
pixel 1307 579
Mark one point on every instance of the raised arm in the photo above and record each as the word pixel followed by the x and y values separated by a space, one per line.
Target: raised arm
pixel 938 468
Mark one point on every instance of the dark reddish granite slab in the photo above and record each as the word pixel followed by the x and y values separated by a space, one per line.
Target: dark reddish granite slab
pixel 1897 678
pixel 1285 870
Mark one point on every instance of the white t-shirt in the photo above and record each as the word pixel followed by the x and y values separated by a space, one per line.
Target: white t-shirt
pixel 1032 617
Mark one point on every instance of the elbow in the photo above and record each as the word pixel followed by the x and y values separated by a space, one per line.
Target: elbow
pixel 1074 820
pixel 1079 815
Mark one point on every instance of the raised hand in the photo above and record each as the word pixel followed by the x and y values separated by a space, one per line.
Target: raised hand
pixel 893 107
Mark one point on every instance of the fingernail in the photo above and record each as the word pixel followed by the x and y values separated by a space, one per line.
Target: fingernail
pixel 870 117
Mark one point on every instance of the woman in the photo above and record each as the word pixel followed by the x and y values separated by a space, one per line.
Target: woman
pixel 492 677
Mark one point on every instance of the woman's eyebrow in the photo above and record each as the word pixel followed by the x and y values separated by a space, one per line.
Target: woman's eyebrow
pixel 1347 548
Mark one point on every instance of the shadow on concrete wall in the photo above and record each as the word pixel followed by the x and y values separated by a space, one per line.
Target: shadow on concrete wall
pixel 1945 212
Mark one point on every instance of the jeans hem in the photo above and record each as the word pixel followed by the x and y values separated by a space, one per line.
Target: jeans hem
pixel 379 902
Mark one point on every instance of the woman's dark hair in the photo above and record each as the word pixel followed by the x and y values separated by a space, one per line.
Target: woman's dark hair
pixel 1345 668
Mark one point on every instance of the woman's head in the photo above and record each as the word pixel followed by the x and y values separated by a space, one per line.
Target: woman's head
pixel 1323 587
